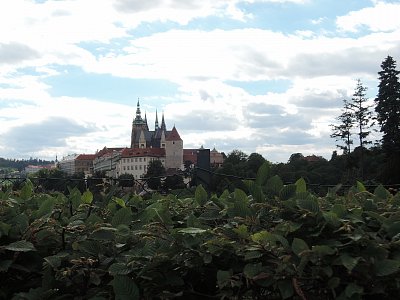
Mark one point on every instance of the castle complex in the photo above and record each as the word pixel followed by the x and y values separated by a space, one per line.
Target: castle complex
pixel 146 145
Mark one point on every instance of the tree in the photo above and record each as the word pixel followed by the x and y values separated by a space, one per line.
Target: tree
pixel 388 106
pixel 362 119
pixel 174 182
pixel 342 131
pixel 254 162
pixel 155 171
pixel 126 180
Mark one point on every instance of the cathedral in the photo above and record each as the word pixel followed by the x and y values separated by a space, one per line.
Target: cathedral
pixel 159 138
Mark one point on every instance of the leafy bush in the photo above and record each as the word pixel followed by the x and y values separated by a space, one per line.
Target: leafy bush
pixel 275 242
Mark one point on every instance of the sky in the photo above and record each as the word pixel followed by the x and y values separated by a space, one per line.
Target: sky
pixel 265 76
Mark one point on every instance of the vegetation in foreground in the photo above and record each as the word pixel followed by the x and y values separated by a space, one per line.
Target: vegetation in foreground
pixel 276 241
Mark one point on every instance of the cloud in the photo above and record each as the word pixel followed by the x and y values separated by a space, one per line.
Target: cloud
pixel 382 17
pixel 13 53
pixel 49 133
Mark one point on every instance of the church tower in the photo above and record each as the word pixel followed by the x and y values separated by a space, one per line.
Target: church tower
pixel 139 129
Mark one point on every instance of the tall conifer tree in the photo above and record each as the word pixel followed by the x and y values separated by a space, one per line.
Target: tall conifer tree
pixel 388 116
pixel 362 117
pixel 342 131
pixel 388 106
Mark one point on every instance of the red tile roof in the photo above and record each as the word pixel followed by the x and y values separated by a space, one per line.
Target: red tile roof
pixel 140 152
pixel 86 157
pixel 173 135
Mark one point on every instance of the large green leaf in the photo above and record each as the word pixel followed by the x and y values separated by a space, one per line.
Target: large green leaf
pixel 20 246
pixel 91 247
pixel 353 289
pixel 46 207
pixel 349 262
pixel 257 194
pixel 274 185
pixel 201 195
pixel 87 197
pixel 27 190
pixel 252 270
pixel 386 267
pixel 287 192
pixel 104 234
pixel 301 186
pixel 360 187
pixel 122 216
pixel 125 288
pixel 322 250
pixel 299 246
pixel 263 174
pixel 381 193
pixel 309 204
pixel 119 269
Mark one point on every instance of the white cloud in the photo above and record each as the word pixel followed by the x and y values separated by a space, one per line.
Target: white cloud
pixel 382 17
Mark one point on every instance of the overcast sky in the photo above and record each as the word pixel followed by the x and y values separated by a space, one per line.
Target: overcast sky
pixel 265 76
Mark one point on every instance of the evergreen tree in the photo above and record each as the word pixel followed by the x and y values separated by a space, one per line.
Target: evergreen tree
pixel 342 131
pixel 362 118
pixel 388 106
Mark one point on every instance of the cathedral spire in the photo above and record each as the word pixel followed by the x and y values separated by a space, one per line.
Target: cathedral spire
pixel 156 123
pixel 163 127
pixel 145 120
pixel 138 113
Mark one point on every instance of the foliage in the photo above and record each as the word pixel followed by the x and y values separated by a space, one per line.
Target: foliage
pixel 388 106
pixel 126 180
pixel 275 242
pixel 174 182
pixel 342 131
pixel 361 114
pixel 155 171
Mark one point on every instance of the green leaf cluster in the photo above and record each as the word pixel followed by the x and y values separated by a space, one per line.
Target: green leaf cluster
pixel 266 241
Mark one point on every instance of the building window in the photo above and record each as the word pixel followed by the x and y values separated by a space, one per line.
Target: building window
pixel 135 167
pixel 135 159
pixel 140 167
pixel 144 158
pixel 124 168
pixel 140 159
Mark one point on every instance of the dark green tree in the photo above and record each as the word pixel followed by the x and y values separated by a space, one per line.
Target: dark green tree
pixel 362 118
pixel 126 180
pixel 388 106
pixel 388 116
pixel 155 171
pixel 254 162
pixel 342 131
pixel 174 182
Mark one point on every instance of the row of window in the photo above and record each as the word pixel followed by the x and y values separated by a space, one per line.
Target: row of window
pixel 126 160
pixel 140 167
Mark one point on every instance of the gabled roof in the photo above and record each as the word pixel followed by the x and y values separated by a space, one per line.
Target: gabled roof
pixel 173 135
pixel 86 157
pixel 140 152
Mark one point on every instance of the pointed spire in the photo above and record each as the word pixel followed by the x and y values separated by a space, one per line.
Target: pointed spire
pixel 138 113
pixel 163 127
pixel 156 124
